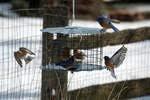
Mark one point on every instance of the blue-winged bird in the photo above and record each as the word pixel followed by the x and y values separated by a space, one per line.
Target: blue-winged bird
pixel 106 22
pixel 23 56
pixel 69 63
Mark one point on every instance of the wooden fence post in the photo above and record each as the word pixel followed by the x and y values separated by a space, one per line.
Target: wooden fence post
pixel 54 83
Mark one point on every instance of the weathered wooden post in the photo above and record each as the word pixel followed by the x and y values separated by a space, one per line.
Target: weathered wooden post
pixel 54 83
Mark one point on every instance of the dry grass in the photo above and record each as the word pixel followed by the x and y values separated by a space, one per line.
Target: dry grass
pixel 114 91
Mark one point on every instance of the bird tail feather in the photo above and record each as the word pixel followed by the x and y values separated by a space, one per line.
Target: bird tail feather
pixel 113 73
pixel 114 28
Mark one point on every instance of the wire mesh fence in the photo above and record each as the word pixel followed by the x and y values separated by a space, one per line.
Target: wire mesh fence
pixel 18 83
pixel 25 83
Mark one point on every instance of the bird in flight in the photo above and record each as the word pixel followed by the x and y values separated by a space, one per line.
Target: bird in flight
pixel 23 56
pixel 116 60
pixel 106 22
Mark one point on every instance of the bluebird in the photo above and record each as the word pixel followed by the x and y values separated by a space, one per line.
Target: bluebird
pixel 23 56
pixel 116 60
pixel 106 22
pixel 67 63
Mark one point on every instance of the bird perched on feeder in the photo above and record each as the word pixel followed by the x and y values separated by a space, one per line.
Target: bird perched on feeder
pixel 71 62
pixel 23 56
pixel 116 60
pixel 106 22
pixel 65 53
pixel 79 55
pixel 68 64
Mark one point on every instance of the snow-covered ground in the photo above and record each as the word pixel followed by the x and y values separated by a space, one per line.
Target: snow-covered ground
pixel 5 10
pixel 25 83
pixel 121 26
pixel 15 82
pixel 16 28
pixel 141 98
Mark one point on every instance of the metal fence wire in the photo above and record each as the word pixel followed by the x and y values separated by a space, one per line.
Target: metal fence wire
pixel 24 83
pixel 18 83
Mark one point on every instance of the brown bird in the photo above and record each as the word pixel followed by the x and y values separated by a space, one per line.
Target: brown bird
pixel 79 55
pixel 23 56
pixel 116 60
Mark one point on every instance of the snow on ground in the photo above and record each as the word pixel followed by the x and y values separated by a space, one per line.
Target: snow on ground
pixel 25 83
pixel 5 10
pixel 121 26
pixel 16 28
pixel 137 7
pixel 15 82
pixel 141 98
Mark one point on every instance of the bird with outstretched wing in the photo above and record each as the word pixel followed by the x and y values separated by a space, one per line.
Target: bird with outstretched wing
pixel 17 56
pixel 24 56
pixel 116 60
